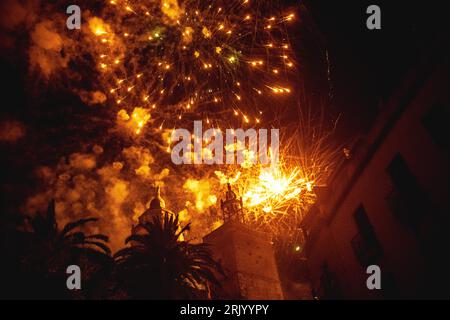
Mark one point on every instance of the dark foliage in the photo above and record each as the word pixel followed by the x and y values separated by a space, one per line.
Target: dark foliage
pixel 157 265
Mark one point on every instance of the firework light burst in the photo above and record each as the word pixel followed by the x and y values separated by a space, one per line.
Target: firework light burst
pixel 155 65
pixel 276 198
pixel 172 59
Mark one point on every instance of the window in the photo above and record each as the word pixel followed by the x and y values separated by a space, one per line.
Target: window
pixel 365 244
pixel 407 200
pixel 436 122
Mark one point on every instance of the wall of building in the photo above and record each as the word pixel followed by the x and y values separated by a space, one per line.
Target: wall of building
pixel 405 259
pixel 248 260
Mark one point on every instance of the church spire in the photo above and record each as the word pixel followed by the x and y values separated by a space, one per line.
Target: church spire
pixel 155 210
pixel 157 202
pixel 232 207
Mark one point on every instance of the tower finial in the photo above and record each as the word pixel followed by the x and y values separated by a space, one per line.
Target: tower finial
pixel 232 207
pixel 157 202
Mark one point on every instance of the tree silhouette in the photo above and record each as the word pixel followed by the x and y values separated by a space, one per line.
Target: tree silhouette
pixel 51 250
pixel 157 265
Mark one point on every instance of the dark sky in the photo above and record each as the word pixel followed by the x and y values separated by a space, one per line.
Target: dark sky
pixel 367 65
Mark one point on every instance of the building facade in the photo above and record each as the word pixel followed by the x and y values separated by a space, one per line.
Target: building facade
pixel 248 262
pixel 388 203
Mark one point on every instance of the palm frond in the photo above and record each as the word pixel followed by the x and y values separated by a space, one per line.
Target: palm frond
pixel 100 245
pixel 72 225
pixel 98 236
pixel 179 267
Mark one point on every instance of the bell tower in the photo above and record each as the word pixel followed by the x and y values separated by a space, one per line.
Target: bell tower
pixel 232 208
pixel 246 255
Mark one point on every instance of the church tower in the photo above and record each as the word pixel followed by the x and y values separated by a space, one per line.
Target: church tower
pixel 246 255
pixel 156 210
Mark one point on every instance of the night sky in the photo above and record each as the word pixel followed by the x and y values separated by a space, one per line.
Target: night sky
pixel 365 67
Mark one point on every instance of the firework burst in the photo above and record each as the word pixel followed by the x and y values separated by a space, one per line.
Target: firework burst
pixel 276 197
pixel 154 65
pixel 191 58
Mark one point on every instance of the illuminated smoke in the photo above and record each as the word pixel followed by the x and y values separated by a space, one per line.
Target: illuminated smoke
pixel 11 131
pixel 45 53
pixel 149 73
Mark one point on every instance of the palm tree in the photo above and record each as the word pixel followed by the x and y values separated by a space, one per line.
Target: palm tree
pixel 51 250
pixel 157 265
